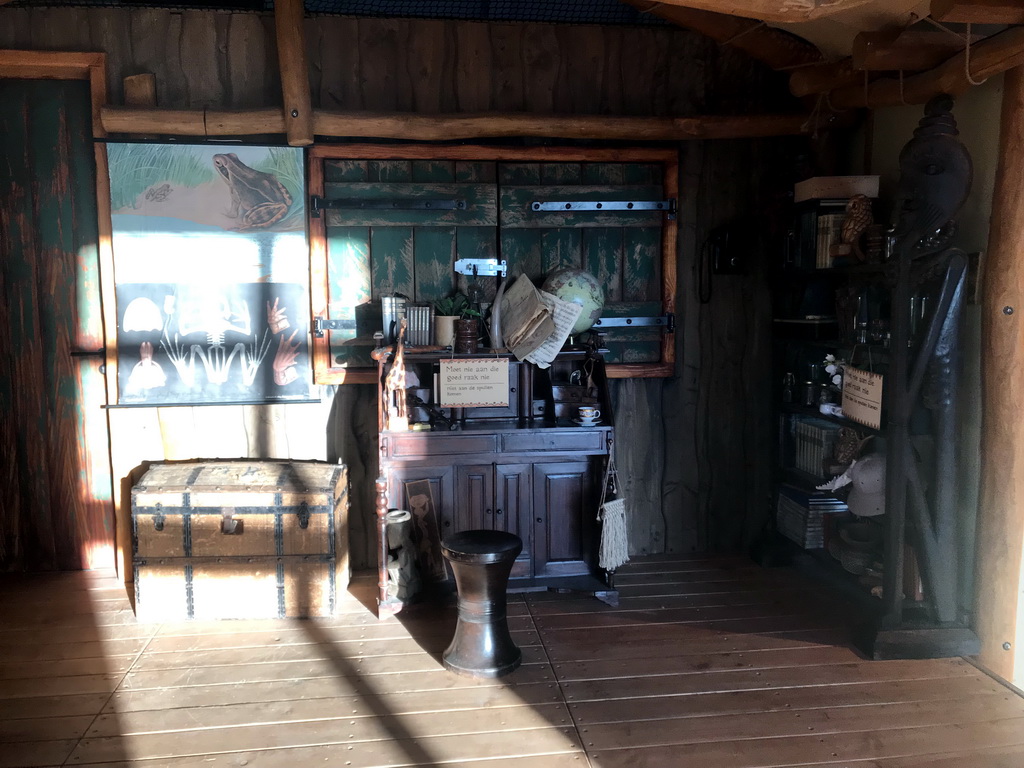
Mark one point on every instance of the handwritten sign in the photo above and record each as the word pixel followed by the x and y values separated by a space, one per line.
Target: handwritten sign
pixel 862 397
pixel 474 383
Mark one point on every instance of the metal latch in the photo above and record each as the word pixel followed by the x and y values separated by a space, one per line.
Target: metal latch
pixel 317 204
pixel 481 267
pixel 321 324
pixel 303 515
pixel 642 206
pixel 667 321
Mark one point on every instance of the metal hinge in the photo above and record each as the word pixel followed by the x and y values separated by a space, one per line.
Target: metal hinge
pixel 669 206
pixel 317 204
pixel 667 321
pixel 321 324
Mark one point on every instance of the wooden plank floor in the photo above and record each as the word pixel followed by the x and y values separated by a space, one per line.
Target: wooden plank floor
pixel 707 662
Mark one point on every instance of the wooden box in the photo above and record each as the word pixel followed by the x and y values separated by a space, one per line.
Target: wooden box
pixel 244 539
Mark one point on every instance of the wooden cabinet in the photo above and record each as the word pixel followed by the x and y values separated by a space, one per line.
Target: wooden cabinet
pixel 536 475
pixel 562 503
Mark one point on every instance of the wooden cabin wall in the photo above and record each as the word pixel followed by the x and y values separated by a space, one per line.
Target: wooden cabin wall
pixel 692 449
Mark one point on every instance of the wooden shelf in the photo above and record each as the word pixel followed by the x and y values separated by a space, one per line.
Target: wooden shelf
pixel 810 410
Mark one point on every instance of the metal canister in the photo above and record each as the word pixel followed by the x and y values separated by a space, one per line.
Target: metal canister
pixel 810 393
pixel 392 310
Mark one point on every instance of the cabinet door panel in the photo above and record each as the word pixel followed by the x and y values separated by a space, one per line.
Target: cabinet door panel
pixel 562 510
pixel 512 505
pixel 474 497
pixel 442 493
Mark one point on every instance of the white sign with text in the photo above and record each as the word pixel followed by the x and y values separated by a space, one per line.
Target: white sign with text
pixel 862 396
pixel 474 383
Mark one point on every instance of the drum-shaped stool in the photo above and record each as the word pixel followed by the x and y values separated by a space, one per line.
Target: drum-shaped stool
pixel 481 562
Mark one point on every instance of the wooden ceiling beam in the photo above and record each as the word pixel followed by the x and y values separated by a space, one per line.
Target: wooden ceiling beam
pixel 821 78
pixel 412 126
pixel 990 57
pixel 978 11
pixel 911 50
pixel 774 47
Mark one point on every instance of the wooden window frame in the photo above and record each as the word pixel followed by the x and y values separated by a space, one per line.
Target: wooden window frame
pixel 324 373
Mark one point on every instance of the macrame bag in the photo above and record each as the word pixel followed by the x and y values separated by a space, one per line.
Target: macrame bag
pixel 614 549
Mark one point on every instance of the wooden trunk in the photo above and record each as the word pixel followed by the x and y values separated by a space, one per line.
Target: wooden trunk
pixel 220 540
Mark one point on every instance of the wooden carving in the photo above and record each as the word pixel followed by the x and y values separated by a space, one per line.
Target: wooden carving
pixel 935 179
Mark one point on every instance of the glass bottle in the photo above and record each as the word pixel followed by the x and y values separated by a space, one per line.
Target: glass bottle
pixel 788 382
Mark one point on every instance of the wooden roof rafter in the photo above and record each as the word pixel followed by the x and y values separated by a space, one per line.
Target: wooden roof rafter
pixel 776 48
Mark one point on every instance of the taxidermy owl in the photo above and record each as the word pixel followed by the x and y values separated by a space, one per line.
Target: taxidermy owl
pixel 858 218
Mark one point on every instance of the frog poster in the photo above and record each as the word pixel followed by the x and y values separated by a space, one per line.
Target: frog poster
pixel 211 270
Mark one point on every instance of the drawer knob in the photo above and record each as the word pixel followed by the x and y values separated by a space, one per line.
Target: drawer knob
pixel 497 511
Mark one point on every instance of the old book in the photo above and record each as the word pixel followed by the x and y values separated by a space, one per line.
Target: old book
pixel 526 320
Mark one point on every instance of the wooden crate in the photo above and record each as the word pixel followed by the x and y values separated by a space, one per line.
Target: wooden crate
pixel 239 539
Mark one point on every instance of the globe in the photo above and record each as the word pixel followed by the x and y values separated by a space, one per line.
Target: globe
pixel 579 287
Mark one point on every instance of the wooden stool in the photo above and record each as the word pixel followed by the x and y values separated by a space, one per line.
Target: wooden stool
pixel 481 562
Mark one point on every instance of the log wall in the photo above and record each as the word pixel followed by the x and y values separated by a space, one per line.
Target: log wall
pixel 693 449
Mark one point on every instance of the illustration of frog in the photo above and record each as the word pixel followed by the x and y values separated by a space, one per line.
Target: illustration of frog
pixel 257 198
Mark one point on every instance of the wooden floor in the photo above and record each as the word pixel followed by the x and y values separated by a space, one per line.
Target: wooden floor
pixel 710 663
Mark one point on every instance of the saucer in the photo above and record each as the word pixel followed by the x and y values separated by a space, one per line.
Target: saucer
pixel 589 423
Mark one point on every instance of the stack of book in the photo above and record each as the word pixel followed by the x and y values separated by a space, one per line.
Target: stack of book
pixel 801 515
pixel 420 332
pixel 821 210
pixel 815 441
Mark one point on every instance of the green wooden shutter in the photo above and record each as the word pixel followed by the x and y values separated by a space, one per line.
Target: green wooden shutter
pixel 378 252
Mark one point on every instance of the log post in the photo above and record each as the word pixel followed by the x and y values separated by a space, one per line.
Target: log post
pixel 291 54
pixel 1000 538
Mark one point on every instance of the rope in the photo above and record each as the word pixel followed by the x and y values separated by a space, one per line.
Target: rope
pixel 967 60
pixel 746 31
pixel 966 38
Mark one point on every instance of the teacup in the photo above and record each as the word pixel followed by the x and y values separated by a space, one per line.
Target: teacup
pixel 588 413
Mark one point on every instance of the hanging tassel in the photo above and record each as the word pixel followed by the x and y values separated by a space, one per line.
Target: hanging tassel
pixel 614 549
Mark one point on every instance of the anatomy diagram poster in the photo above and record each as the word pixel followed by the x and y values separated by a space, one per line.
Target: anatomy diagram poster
pixel 211 270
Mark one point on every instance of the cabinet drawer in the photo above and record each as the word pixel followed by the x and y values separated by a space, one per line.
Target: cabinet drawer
pixel 554 440
pixel 412 444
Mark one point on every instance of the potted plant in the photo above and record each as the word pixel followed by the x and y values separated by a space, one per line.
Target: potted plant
pixel 446 312
pixel 455 318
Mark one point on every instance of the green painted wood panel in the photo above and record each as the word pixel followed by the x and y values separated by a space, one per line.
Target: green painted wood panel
pixel 346 170
pixel 392 262
pixel 561 247
pixel 641 264
pixel 466 170
pixel 389 170
pixel 516 212
pixel 602 257
pixel 480 210
pixel 438 171
pixel 56 510
pixel 518 174
pixel 434 254
pixel 411 252
pixel 523 250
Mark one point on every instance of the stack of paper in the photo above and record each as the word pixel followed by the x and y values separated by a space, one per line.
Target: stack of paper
pixel 535 324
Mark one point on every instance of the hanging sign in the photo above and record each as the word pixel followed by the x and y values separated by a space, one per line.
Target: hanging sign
pixel 862 397
pixel 474 383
